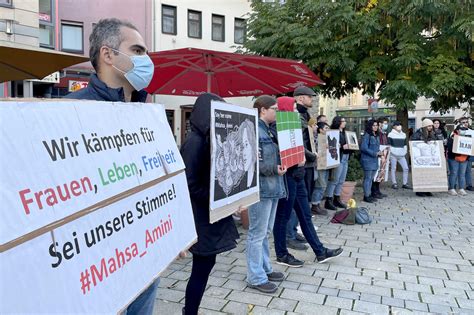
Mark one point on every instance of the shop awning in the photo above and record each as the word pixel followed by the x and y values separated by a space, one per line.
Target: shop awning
pixel 21 62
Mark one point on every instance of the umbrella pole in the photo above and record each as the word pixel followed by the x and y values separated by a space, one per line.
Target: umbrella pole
pixel 208 82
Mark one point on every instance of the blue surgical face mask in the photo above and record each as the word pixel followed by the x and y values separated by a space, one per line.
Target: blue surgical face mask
pixel 384 127
pixel 141 73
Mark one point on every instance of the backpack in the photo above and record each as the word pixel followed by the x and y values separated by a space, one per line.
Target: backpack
pixel 362 216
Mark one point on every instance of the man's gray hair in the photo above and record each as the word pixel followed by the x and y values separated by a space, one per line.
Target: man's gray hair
pixel 106 33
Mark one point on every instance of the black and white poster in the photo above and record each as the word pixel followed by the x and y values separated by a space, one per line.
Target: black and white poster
pixel 234 159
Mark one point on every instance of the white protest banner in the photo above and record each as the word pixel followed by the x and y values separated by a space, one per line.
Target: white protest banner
pixel 428 166
pixel 463 145
pixel 328 150
pixel 59 158
pixel 384 164
pixel 234 159
pixel 100 262
pixel 92 192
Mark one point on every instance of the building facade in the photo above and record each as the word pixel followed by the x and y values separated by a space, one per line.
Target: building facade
pixel 206 24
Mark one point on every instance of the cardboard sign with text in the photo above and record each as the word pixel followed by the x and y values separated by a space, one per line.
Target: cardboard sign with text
pixel 97 201
pixel 463 145
pixel 428 166
pixel 234 159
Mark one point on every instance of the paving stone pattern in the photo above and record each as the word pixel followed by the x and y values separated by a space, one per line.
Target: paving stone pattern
pixel 416 257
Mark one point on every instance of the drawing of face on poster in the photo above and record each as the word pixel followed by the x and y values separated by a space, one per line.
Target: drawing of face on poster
pixel 236 154
pixel 333 149
pixel 426 155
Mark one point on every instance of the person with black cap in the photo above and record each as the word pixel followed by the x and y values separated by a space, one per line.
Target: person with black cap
pixel 397 140
pixel 304 100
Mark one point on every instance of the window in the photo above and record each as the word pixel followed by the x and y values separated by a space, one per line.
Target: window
pixel 45 11
pixel 72 37
pixel 46 36
pixel 5 3
pixel 194 24
pixel 218 28
pixel 239 31
pixel 168 19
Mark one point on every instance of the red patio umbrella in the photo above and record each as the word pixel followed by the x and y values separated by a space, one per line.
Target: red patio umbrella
pixel 192 71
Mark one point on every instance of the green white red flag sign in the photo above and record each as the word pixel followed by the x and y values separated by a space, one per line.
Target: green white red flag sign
pixel 290 138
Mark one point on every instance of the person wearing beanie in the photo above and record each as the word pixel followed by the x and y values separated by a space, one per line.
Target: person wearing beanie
pixel 286 104
pixel 457 165
pixel 426 134
pixel 397 140
pixel 294 240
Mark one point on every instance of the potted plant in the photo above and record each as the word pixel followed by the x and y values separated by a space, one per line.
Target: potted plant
pixel 354 176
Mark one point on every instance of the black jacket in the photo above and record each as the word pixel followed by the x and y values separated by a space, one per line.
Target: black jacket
pixel 99 91
pixel 305 117
pixel 220 236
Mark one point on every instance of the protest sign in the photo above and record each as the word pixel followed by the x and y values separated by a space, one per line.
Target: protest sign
pixel 90 188
pixel 463 145
pixel 351 140
pixel 311 132
pixel 383 164
pixel 234 159
pixel 428 166
pixel 328 150
pixel 290 138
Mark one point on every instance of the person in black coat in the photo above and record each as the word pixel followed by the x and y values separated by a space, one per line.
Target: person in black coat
pixel 215 238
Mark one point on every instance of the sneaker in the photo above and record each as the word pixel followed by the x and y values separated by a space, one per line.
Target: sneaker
pixel 300 238
pixel 330 254
pixel 267 287
pixel 316 209
pixel 452 192
pixel 406 186
pixel 462 192
pixel 369 199
pixel 470 188
pixel 276 276
pixel 294 244
pixel 395 186
pixel 290 261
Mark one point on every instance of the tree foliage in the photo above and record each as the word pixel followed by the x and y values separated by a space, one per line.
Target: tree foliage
pixel 400 49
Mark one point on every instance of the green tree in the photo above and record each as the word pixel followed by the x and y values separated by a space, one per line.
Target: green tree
pixel 400 49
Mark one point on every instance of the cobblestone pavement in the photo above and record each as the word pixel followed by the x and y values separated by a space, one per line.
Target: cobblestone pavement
pixel 417 256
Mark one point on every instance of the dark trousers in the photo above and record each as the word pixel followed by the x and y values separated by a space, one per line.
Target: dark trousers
pixel 309 181
pixel 297 199
pixel 202 267
pixel 375 187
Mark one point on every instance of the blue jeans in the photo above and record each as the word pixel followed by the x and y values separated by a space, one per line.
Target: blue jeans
pixel 261 219
pixel 469 172
pixel 292 226
pixel 297 199
pixel 335 186
pixel 457 171
pixel 368 178
pixel 144 303
pixel 320 187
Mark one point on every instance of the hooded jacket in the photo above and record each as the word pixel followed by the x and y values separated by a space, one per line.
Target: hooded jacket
pixel 99 91
pixel 397 142
pixel 220 236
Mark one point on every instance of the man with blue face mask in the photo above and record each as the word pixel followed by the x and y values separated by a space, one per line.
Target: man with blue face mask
pixel 123 69
pixel 118 54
